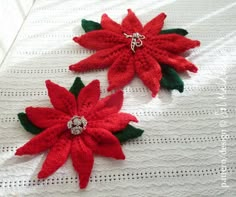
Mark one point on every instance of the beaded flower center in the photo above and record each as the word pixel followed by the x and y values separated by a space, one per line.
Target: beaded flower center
pixel 136 40
pixel 77 124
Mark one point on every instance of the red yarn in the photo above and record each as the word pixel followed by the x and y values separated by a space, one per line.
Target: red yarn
pixel 124 67
pixel 154 26
pixel 82 159
pixel 101 59
pixel 57 156
pixel 108 24
pixel 61 98
pixel 148 70
pixel 43 141
pixel 88 98
pixel 114 50
pixel 107 106
pixel 131 23
pixel 44 117
pixel 100 39
pixel 102 117
pixel 114 122
pixel 102 142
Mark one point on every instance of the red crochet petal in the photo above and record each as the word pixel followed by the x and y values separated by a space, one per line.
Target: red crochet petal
pixel 44 117
pixel 122 71
pixel 131 23
pixel 88 97
pixel 42 141
pixel 100 39
pixel 114 122
pixel 56 157
pixel 154 26
pixel 173 43
pixel 107 106
pixel 149 71
pixel 102 142
pixel 108 24
pixel 99 60
pixel 179 63
pixel 61 98
pixel 82 158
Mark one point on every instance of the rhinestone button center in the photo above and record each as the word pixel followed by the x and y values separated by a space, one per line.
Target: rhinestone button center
pixel 77 124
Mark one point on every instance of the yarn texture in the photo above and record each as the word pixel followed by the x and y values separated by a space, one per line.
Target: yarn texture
pixel 171 80
pixel 132 49
pixel 80 124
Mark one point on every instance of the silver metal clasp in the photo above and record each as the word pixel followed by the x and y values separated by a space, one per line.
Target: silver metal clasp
pixel 136 40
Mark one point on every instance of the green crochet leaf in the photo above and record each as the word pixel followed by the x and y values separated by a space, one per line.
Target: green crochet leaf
pixel 128 133
pixel 76 87
pixel 170 79
pixel 90 25
pixel 179 31
pixel 28 125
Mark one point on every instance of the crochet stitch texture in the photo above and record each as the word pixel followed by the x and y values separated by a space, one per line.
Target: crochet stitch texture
pixel 131 48
pixel 79 125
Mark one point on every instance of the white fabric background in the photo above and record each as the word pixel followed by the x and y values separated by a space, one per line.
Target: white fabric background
pixel 12 15
pixel 179 153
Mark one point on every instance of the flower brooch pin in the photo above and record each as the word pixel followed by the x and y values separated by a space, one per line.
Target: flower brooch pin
pixel 79 124
pixel 130 49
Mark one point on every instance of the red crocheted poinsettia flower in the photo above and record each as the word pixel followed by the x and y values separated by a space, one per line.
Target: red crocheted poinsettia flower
pixel 78 127
pixel 131 48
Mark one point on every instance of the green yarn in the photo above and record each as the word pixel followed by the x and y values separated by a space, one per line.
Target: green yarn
pixel 179 31
pixel 128 133
pixel 90 25
pixel 76 87
pixel 28 125
pixel 170 79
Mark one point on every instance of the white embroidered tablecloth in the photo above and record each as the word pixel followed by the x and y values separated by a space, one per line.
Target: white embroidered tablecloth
pixel 189 144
